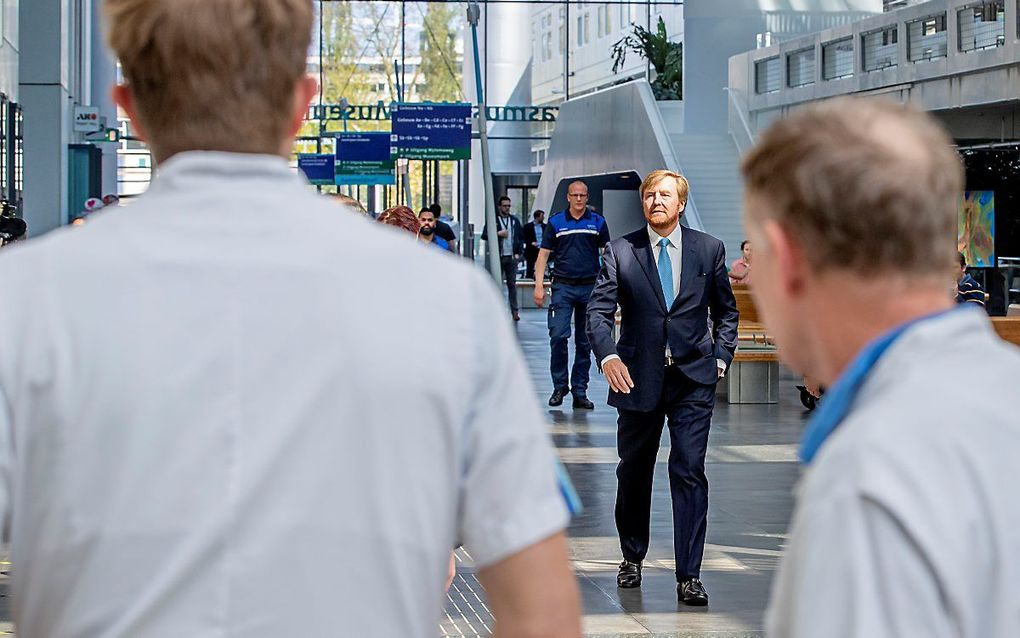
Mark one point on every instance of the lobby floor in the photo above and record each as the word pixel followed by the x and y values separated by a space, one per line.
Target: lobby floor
pixel 752 468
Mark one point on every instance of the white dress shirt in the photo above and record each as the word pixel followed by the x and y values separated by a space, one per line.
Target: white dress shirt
pixel 217 419
pixel 908 521
pixel 673 249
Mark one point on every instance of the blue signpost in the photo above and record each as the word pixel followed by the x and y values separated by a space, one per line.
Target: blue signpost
pixel 364 158
pixel 320 170
pixel 431 131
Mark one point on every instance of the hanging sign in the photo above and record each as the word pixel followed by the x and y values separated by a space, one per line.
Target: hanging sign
pixel 431 131
pixel 364 158
pixel 320 170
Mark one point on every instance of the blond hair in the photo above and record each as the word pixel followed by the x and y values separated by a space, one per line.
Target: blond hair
pixel 864 185
pixel 212 74
pixel 653 178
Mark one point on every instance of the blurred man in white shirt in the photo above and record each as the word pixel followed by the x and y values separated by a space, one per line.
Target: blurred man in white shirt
pixel 209 421
pixel 907 514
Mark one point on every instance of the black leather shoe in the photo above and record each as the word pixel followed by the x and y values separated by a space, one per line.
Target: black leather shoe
pixel 557 397
pixel 629 576
pixel 692 592
pixel 582 403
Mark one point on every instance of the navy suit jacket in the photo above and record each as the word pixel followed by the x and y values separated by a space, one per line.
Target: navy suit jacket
pixel 630 279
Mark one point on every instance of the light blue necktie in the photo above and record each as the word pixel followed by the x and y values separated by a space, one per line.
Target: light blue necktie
pixel 665 271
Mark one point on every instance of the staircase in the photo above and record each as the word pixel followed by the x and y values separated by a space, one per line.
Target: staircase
pixel 711 165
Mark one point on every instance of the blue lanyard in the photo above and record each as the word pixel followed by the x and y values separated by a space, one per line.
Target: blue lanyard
pixel 840 397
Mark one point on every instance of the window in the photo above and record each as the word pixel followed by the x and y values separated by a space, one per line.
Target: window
pixel 580 31
pixel 546 47
pixel 563 31
pixel 601 20
pixel 766 75
pixel 587 27
pixel 880 49
pixel 838 59
pixel 926 39
pixel 609 20
pixel 982 26
pixel 800 68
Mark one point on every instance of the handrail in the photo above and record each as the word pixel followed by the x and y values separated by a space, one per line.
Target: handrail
pixel 740 113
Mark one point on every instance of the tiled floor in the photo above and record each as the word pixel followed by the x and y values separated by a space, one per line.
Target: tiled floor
pixel 752 468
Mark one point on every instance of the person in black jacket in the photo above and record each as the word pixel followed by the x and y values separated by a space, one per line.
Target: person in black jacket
pixel 511 245
pixel 678 335
pixel 534 231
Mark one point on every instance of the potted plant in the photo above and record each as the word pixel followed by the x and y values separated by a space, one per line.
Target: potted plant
pixel 667 58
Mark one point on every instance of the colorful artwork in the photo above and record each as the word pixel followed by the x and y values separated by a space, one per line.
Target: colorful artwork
pixel 976 228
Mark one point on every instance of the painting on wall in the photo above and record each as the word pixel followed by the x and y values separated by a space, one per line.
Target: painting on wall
pixel 976 228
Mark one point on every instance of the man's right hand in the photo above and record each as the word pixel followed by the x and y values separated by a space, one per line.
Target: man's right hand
pixel 502 234
pixel 618 376
pixel 539 296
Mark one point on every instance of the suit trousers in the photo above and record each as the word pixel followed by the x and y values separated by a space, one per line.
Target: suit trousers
pixel 530 257
pixel 687 408
pixel 509 268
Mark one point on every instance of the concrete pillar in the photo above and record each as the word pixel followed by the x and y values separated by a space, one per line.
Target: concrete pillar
pixel 45 94
pixel 104 76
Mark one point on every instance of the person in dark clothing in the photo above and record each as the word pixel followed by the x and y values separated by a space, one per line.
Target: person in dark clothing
pixel 534 232
pixel 576 238
pixel 510 237
pixel 677 337
pixel 443 230
pixel 968 290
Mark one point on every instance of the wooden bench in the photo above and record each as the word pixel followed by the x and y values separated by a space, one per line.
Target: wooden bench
pixel 1008 329
pixel 753 377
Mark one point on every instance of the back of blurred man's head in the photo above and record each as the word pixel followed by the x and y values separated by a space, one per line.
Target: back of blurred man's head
pixel 220 75
pixel 851 206
pixel 866 186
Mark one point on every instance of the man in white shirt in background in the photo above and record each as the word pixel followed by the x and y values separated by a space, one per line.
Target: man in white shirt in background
pixel 209 421
pixel 907 515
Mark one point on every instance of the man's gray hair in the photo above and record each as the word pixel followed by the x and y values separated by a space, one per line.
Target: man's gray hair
pixel 865 185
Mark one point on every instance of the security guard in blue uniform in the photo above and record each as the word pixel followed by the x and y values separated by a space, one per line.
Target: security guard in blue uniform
pixel 575 239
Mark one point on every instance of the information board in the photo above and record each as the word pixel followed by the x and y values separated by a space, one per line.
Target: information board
pixel 318 169
pixel 431 131
pixel 364 158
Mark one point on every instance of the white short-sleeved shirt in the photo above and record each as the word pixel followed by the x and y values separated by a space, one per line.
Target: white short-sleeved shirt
pixel 235 409
pixel 908 520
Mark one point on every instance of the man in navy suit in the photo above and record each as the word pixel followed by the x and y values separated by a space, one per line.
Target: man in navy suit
pixel 678 335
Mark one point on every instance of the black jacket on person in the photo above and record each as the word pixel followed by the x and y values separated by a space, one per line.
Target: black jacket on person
pixel 629 278
pixel 444 231
pixel 530 237
pixel 516 233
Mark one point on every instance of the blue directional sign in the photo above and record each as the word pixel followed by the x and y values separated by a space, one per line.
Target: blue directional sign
pixel 431 131
pixel 318 169
pixel 364 158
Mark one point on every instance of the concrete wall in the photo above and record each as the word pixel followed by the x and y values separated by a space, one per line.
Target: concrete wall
pixel 615 131
pixel 714 31
pixel 976 91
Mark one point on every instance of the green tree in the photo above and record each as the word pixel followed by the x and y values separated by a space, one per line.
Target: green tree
pixel 440 65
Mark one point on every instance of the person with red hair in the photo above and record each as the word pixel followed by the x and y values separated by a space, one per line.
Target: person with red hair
pixel 401 217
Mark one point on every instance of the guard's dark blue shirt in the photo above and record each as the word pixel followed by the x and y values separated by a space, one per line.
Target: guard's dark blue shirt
pixel 576 244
